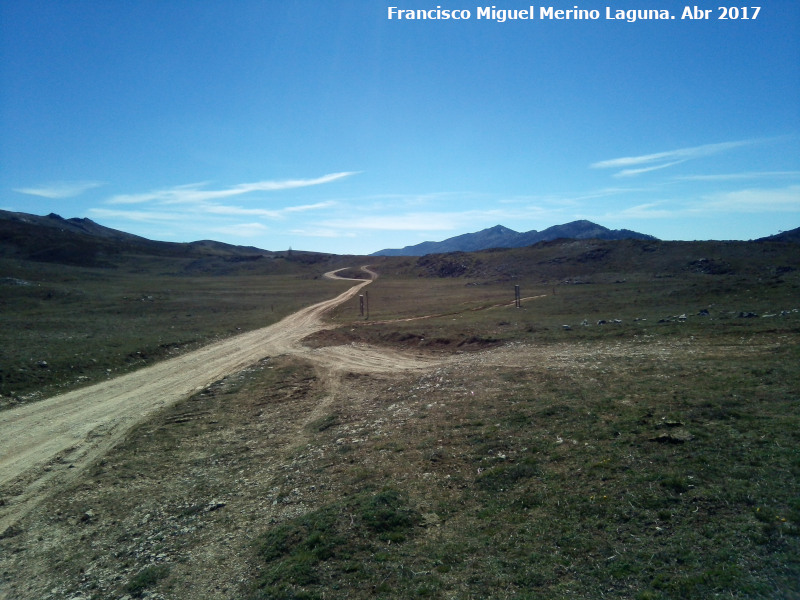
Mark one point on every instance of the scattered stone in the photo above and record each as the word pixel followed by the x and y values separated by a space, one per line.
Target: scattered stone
pixel 676 436
pixel 214 505
pixel 15 281
pixel 703 312
pixel 42 364
pixel 567 328
pixel 747 315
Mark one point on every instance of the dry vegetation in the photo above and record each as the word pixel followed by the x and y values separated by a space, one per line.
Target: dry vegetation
pixel 651 458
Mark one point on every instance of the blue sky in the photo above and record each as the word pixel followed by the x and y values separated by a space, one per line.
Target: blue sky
pixel 326 126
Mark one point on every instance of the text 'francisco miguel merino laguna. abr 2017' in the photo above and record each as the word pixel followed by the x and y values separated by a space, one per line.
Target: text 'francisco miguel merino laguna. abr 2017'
pixel 550 13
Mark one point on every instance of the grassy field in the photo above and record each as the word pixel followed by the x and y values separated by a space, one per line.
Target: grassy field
pixel 63 326
pixel 654 457
pixel 582 479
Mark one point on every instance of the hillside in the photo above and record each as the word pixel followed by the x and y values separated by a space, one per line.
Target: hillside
pixel 793 235
pixel 503 237
pixel 84 243
pixel 79 301
pixel 603 261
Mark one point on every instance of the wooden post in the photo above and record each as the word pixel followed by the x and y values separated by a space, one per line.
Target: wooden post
pixel 366 299
pixel 517 299
pixel 361 303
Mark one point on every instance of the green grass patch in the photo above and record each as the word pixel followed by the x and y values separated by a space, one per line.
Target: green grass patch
pixel 358 537
pixel 146 579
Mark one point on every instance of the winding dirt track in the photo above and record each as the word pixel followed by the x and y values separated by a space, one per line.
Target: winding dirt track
pixel 45 444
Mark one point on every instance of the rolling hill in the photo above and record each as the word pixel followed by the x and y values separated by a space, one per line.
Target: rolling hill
pixel 84 243
pixel 503 237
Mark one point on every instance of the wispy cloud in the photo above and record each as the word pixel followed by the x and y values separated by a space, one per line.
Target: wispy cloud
pixel 425 220
pixel 754 200
pixel 307 207
pixel 740 176
pixel 60 189
pixel 203 209
pixel 632 172
pixel 408 222
pixel 221 209
pixel 321 232
pixel 194 193
pixel 651 210
pixel 188 210
pixel 245 230
pixel 141 216
pixel 632 165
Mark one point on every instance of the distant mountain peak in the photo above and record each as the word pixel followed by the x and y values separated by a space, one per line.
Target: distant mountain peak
pixel 501 236
pixel 499 229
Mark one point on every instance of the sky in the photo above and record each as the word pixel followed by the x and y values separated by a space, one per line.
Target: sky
pixel 328 126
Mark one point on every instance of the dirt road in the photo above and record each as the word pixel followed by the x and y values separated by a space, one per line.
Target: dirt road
pixel 45 444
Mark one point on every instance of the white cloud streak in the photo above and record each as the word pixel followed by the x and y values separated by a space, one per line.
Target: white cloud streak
pixel 60 189
pixel 245 230
pixel 755 200
pixel 633 172
pixel 740 176
pixel 409 222
pixel 193 193
pixel 142 216
pixel 221 209
pixel 663 160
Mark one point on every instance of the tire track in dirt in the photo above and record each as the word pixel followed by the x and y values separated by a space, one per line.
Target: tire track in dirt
pixel 46 444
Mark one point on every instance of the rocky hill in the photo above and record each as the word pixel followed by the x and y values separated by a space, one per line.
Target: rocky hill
pixel 503 237
pixel 793 235
pixel 84 243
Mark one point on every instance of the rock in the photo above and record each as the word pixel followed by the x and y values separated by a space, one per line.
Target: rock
pixel 676 436
pixel 431 520
pixel 214 505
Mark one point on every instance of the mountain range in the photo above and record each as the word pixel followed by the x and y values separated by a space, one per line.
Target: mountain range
pixel 52 238
pixel 503 237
